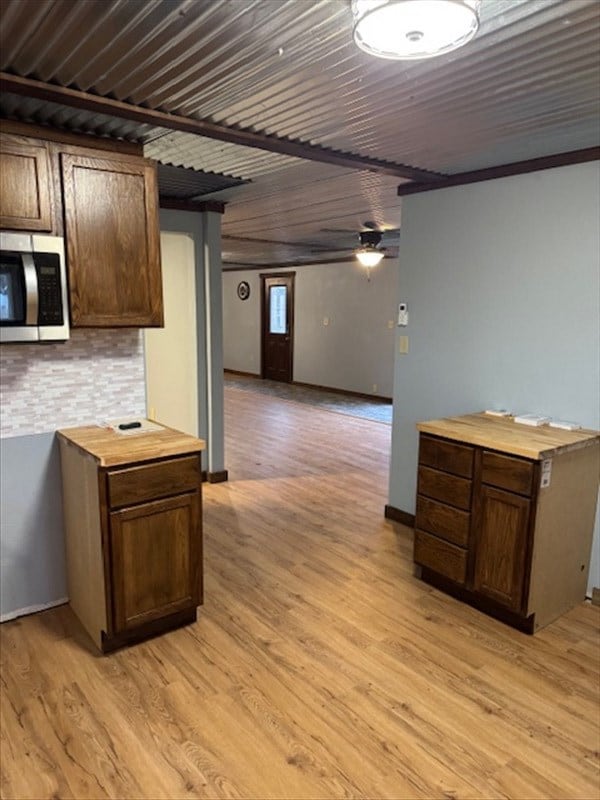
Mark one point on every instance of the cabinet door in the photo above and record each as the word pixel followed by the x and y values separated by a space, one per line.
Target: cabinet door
pixel 25 192
pixel 156 560
pixel 113 248
pixel 501 546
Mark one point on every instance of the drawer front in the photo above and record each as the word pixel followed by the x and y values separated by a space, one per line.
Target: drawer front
pixel 448 488
pixel 442 520
pixel 505 472
pixel 152 481
pixel 440 556
pixel 447 456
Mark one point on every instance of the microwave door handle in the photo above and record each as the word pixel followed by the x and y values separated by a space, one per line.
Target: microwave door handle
pixel 31 289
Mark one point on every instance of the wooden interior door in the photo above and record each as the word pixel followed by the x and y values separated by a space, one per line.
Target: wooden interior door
pixel 278 327
pixel 155 560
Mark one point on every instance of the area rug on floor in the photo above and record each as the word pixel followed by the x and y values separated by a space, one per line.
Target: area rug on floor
pixel 375 410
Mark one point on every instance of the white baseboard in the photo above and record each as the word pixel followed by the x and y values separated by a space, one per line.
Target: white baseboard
pixel 22 612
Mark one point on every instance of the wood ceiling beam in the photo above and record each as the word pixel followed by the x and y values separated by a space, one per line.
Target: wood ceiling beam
pixel 298 245
pixel 202 127
pixel 236 266
pixel 504 171
pixel 189 205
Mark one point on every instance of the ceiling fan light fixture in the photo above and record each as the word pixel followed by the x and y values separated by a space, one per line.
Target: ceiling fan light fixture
pixel 414 29
pixel 369 256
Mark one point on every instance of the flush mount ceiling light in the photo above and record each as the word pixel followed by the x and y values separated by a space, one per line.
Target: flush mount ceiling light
pixel 368 253
pixel 412 29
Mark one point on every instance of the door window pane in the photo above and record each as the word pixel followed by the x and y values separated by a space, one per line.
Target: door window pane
pixel 278 309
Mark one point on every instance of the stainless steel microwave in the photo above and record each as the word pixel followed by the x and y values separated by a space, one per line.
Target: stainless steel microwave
pixel 33 288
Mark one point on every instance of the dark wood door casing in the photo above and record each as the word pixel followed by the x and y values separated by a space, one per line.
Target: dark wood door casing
pixel 277 348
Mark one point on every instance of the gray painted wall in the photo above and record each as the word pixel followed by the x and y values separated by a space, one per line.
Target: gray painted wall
pixel 355 351
pixel 241 323
pixel 32 557
pixel 502 281
pixel 96 375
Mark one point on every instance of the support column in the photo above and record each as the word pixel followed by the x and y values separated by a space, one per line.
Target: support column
pixel 204 226
pixel 213 294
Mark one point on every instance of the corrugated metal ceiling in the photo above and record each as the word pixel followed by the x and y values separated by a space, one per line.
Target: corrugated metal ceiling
pixel 42 112
pixel 186 184
pixel 198 152
pixel 526 86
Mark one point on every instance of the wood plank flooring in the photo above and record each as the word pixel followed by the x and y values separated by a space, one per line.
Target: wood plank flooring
pixel 319 666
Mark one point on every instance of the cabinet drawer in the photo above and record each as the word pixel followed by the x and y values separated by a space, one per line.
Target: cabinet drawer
pixel 151 481
pixel 447 456
pixel 506 472
pixel 443 520
pixel 441 557
pixel 448 488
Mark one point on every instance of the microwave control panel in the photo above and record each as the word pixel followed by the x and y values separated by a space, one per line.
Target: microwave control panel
pixel 50 309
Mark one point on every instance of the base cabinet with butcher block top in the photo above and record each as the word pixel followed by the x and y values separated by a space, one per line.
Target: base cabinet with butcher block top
pixel 505 514
pixel 133 530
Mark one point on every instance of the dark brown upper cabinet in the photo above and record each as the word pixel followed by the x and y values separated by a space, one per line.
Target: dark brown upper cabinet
pixel 25 186
pixel 112 239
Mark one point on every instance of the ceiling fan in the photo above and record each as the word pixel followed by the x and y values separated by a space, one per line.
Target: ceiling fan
pixel 389 235
pixel 370 252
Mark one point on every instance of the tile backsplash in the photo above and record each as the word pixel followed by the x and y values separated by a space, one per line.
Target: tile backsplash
pixel 95 375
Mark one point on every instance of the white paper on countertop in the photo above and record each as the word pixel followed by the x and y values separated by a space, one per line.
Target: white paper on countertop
pixel 531 419
pixel 565 424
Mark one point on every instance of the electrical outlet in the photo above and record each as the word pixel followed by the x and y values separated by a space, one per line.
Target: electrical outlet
pixel 403 345
pixel 325 321
pixel 374 387
pixel 391 324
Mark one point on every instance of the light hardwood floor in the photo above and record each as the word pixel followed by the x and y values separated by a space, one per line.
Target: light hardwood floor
pixel 319 666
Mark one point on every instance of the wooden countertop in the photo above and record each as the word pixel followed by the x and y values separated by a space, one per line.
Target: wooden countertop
pixel 112 449
pixel 507 436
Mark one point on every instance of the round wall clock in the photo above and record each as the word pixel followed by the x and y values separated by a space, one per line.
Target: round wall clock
pixel 243 290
